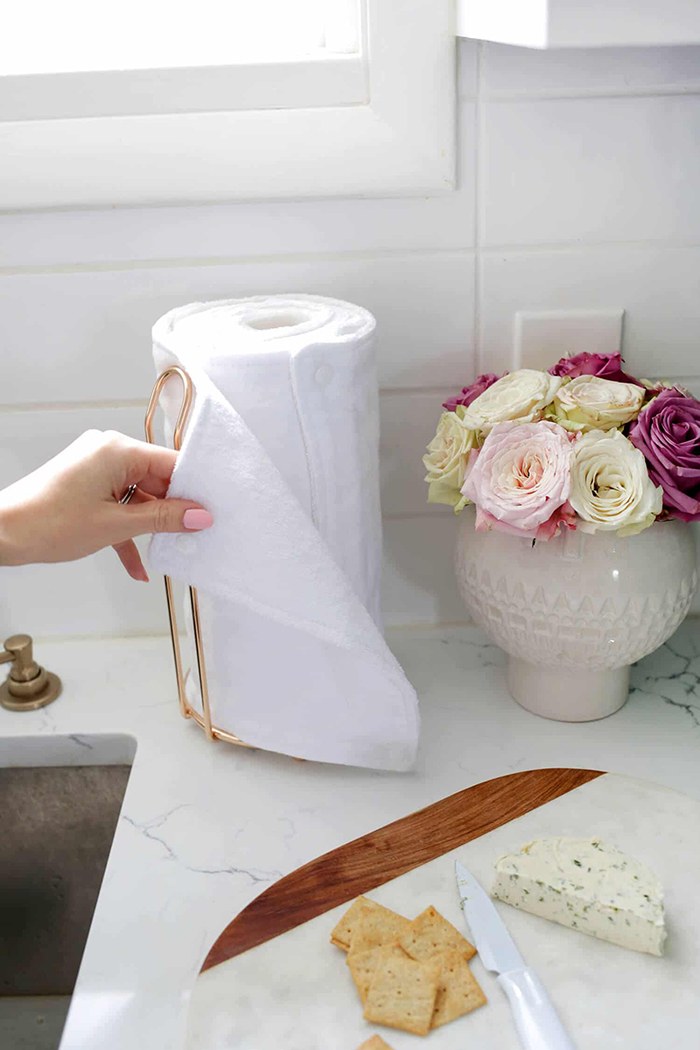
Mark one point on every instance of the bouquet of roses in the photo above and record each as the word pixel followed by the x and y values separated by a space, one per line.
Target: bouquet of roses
pixel 583 445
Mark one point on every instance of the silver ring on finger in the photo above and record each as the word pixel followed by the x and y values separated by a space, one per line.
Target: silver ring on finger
pixel 127 495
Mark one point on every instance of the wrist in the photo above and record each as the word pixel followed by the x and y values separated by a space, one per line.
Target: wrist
pixel 10 549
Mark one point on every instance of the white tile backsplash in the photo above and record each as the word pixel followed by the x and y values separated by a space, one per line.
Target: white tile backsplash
pixel 591 170
pixel 408 423
pixel 657 288
pixel 91 596
pixel 30 438
pixel 418 579
pixel 577 173
pixel 85 336
pixel 241 231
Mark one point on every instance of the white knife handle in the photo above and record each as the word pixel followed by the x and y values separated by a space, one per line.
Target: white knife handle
pixel 536 1019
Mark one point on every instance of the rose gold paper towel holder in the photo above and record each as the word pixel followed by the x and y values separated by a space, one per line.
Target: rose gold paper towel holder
pixel 186 709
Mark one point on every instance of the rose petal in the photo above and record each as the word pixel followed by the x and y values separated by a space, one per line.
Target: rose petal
pixel 607 366
pixel 470 393
pixel 667 432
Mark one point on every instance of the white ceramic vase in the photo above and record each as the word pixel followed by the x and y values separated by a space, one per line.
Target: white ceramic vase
pixel 575 612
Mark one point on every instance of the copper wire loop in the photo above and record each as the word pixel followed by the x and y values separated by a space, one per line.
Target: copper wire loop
pixel 186 710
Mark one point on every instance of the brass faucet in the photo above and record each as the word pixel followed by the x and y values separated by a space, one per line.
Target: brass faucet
pixel 28 686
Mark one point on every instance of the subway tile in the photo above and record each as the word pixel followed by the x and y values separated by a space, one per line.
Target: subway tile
pixel 594 170
pixel 85 336
pixel 521 70
pixel 418 583
pixel 91 596
pixel 408 424
pixel 657 288
pixel 30 438
pixel 235 231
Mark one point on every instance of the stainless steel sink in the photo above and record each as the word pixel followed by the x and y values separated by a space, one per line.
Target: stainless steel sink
pixel 56 829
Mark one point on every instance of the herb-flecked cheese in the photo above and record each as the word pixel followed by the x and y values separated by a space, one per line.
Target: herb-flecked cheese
pixel 589 886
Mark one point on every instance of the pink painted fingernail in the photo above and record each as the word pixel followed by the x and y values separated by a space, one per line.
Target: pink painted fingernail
pixel 197 520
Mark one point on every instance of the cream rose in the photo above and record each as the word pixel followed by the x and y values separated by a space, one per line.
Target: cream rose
pixel 446 460
pixel 589 402
pixel 610 486
pixel 518 396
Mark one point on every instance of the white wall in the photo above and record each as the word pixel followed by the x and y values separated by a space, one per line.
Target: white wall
pixel 578 188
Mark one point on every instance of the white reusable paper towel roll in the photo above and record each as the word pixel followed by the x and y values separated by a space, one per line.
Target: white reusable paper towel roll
pixel 282 448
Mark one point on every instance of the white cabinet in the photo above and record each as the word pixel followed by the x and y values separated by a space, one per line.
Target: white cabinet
pixel 580 23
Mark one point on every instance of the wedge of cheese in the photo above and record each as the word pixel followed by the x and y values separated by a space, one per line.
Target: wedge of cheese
pixel 589 886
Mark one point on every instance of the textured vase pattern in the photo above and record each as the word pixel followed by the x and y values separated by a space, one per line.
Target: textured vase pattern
pixel 588 602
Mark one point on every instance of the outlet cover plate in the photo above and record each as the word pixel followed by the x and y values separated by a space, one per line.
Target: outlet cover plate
pixel 541 338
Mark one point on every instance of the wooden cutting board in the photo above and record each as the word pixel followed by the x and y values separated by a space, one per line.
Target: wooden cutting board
pixel 271 981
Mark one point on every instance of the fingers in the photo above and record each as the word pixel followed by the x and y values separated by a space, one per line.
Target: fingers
pixel 154 466
pixel 140 497
pixel 131 560
pixel 164 515
pixel 132 462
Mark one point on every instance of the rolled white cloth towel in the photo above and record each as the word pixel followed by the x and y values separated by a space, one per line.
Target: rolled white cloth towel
pixel 282 448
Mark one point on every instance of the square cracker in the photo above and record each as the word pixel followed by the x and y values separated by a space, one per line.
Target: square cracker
pixel 429 934
pixel 402 994
pixel 364 965
pixel 458 990
pixel 375 1043
pixel 377 926
pixel 342 933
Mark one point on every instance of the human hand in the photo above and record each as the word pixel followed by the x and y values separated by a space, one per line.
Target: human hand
pixel 69 508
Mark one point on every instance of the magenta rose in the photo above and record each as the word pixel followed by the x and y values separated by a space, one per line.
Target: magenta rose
pixel 667 431
pixel 470 393
pixel 605 366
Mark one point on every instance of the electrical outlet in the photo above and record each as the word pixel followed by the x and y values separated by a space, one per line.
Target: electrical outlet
pixel 540 339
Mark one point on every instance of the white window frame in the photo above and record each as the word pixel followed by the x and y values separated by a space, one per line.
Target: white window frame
pixel 389 130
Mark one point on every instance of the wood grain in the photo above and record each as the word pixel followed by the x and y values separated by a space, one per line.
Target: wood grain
pixel 370 861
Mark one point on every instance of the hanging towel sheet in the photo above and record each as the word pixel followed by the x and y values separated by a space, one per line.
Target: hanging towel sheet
pixel 282 448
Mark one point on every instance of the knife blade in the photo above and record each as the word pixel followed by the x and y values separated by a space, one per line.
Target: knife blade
pixel 536 1020
pixel 491 939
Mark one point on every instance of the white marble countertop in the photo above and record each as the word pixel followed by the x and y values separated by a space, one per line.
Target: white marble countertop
pixel 206 827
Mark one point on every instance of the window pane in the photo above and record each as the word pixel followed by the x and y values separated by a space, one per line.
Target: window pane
pixel 63 36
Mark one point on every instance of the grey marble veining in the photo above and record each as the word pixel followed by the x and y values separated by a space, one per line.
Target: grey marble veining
pixel 206 827
pixel 672 673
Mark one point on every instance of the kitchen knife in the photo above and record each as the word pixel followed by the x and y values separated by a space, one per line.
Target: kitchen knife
pixel 536 1019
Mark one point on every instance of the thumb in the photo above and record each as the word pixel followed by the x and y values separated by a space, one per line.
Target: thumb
pixel 168 515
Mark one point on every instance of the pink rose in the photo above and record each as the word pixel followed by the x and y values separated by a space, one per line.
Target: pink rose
pixel 563 517
pixel 521 478
pixel 470 393
pixel 605 366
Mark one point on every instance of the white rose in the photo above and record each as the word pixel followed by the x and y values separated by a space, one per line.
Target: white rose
pixel 610 485
pixel 447 457
pixel 519 396
pixel 589 402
